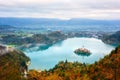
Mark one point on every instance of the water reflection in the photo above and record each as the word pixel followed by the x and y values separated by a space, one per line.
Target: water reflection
pixel 83 54
pixel 34 47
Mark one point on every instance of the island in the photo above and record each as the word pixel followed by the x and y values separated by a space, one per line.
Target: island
pixel 82 51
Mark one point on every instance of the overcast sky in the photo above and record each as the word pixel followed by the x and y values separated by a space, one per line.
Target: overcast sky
pixel 64 9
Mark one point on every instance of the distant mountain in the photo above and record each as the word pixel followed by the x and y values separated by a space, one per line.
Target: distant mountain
pixel 5 27
pixel 93 22
pixel 27 21
pixel 12 63
pixel 112 39
pixel 55 22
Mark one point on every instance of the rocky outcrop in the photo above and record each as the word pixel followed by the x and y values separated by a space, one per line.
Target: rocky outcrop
pixel 5 49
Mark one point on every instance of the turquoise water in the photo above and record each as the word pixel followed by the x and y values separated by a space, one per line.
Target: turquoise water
pixel 46 59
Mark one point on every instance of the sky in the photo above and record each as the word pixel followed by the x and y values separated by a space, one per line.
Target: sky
pixel 63 9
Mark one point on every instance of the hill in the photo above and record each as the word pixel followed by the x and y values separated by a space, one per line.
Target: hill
pixel 49 38
pixel 12 63
pixel 7 29
pixel 112 39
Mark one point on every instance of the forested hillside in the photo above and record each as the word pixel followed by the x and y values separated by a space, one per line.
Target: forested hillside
pixel 12 64
pixel 112 39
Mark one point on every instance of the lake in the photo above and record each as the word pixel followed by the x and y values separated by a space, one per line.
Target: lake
pixel 61 51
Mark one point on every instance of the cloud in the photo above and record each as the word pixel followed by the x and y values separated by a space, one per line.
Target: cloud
pixel 96 9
